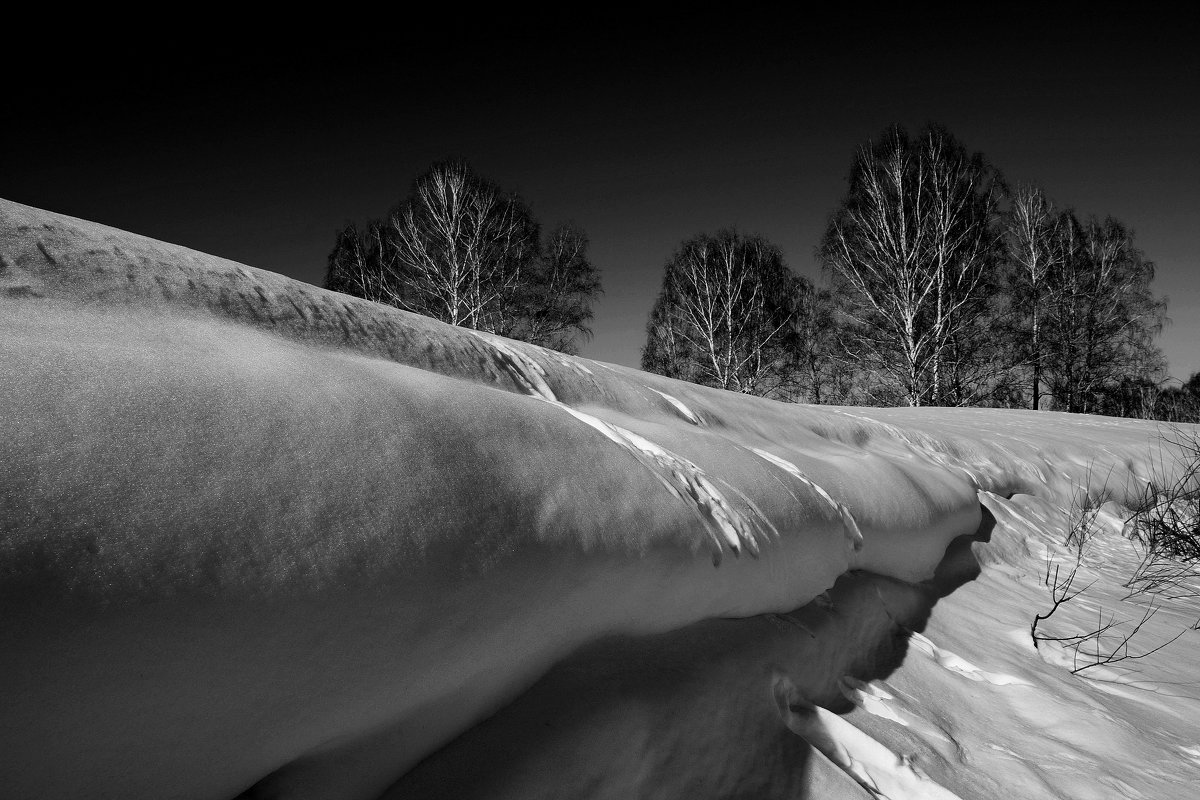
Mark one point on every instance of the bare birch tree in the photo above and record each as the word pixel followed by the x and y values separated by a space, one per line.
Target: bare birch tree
pixel 460 250
pixel 726 316
pixel 913 246
pixel 456 248
pixel 1036 245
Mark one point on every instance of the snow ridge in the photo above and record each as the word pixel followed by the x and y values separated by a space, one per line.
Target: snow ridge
pixel 853 534
pixel 686 481
pixel 727 527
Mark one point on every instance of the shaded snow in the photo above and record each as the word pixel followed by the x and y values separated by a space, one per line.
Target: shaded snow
pixel 255 534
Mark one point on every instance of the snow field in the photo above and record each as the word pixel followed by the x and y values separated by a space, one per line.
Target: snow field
pixel 346 552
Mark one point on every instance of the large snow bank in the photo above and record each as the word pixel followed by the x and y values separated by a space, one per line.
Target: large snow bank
pixel 256 534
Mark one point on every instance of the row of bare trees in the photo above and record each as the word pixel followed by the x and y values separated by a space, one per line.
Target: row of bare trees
pixel 947 288
pixel 1082 299
pixel 461 250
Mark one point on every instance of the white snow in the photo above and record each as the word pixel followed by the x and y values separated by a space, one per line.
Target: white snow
pixel 254 534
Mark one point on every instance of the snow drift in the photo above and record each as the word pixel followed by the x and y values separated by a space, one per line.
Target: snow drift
pixel 259 538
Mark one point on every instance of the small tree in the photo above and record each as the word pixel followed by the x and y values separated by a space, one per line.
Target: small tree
pixel 556 302
pixel 912 248
pixel 1165 524
pixel 461 250
pixel 726 316
pixel 1083 317
pixel 815 325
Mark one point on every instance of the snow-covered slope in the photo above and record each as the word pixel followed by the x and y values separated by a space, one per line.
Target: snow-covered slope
pixel 257 537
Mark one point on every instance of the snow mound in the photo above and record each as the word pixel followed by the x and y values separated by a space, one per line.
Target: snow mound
pixel 262 538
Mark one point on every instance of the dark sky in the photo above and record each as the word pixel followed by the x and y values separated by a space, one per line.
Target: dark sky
pixel 645 130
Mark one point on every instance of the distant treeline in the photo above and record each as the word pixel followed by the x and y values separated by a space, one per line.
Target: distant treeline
pixel 946 287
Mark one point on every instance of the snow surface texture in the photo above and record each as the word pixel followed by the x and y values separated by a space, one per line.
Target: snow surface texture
pixel 261 539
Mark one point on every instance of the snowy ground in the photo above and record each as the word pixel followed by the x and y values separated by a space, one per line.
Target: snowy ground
pixel 259 538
